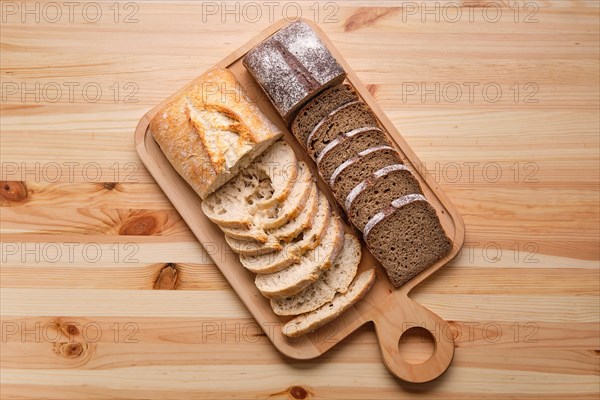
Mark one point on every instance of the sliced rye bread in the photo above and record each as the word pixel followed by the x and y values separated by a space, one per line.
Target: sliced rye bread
pixel 349 116
pixel 292 252
pixel 306 323
pixel 406 237
pixel 260 185
pixel 355 170
pixel 273 237
pixel 319 107
pixel 348 145
pixel 377 191
pixel 332 281
pixel 295 278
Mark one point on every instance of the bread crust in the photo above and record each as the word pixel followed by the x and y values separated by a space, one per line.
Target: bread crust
pixel 211 130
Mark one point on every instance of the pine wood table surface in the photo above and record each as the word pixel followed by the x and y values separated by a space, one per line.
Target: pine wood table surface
pixel 105 293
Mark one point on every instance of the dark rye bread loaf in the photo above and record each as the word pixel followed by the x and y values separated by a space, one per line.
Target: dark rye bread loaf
pixel 348 145
pixel 343 119
pixel 406 237
pixel 319 107
pixel 293 66
pixel 377 191
pixel 355 170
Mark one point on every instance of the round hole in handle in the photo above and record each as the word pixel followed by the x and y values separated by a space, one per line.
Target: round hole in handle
pixel 416 345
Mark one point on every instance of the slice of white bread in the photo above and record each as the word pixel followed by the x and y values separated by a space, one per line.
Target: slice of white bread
pixel 332 281
pixel 261 185
pixel 291 252
pixel 280 165
pixel 255 237
pixel 284 211
pixel 234 205
pixel 307 270
pixel 249 249
pixel 294 227
pixel 228 205
pixel 306 323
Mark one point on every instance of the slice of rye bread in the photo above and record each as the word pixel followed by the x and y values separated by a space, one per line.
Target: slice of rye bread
pixel 295 278
pixel 319 107
pixel 377 191
pixel 284 233
pixel 355 170
pixel 349 116
pixel 253 248
pixel 292 252
pixel 406 237
pixel 259 186
pixel 332 281
pixel 348 145
pixel 306 323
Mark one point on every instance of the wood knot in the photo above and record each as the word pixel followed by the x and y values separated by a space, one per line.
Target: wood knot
pixel 142 225
pixel 13 191
pixel 70 350
pixel 71 329
pixel 167 278
pixel 109 185
pixel 367 16
pixel 372 88
pixel 298 392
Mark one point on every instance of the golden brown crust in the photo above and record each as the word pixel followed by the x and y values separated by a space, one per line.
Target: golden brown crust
pixel 211 130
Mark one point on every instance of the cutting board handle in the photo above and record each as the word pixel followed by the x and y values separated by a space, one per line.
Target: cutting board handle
pixel 396 316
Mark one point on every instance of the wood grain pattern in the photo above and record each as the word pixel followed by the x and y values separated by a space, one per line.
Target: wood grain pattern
pixel 545 228
pixel 390 310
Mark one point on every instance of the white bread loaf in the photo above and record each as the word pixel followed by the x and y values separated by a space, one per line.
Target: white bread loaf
pixel 211 131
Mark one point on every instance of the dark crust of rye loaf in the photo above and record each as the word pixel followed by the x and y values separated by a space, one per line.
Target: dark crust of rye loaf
pixel 318 108
pixel 378 191
pixel 348 147
pixel 292 66
pixel 354 115
pixel 408 240
pixel 359 169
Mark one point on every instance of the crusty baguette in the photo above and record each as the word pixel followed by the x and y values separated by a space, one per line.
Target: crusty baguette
pixel 211 131
pixel 306 323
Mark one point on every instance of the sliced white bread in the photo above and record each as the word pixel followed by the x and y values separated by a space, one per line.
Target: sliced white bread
pixel 252 248
pixel 333 280
pixel 280 165
pixel 307 270
pixel 248 237
pixel 306 323
pixel 273 243
pixel 228 206
pixel 292 251
pixel 261 185
pixel 234 205
pixel 282 212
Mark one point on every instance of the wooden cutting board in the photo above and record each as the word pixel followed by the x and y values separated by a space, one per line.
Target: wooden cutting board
pixel 391 310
